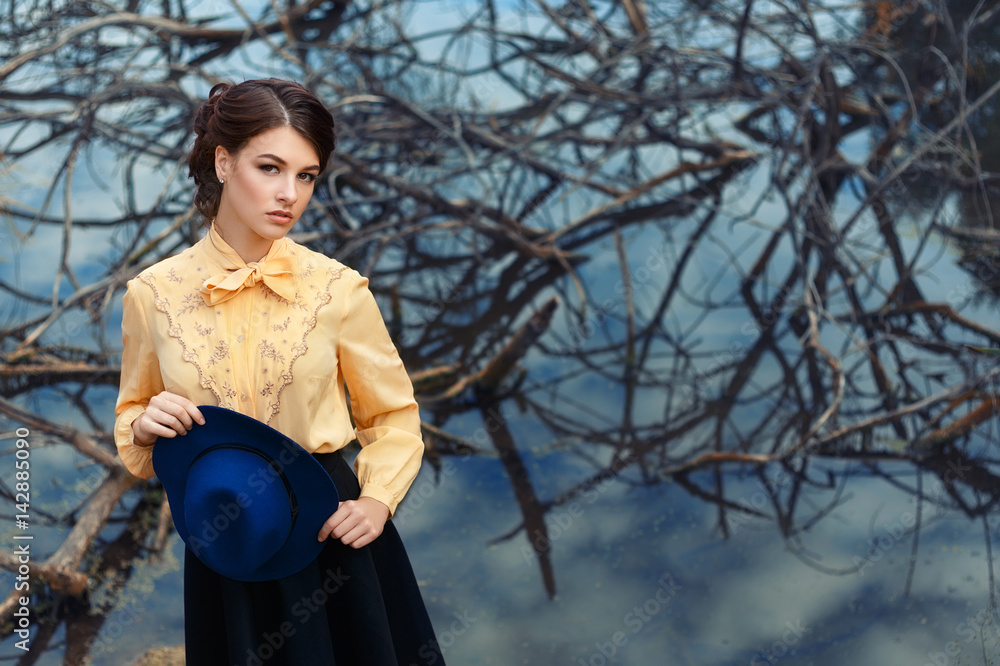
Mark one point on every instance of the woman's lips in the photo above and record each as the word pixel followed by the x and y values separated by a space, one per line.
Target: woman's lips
pixel 279 217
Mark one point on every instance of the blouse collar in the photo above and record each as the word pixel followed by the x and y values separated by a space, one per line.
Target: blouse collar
pixel 276 270
pixel 230 259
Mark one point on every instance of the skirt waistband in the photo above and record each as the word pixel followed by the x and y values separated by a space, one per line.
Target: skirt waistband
pixel 342 474
pixel 329 458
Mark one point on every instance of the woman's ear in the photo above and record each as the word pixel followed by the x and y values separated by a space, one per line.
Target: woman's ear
pixel 223 163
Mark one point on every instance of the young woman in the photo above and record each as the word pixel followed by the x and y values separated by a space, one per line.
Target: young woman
pixel 248 320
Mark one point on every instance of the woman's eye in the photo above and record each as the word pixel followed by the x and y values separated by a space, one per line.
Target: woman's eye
pixel 308 177
pixel 268 168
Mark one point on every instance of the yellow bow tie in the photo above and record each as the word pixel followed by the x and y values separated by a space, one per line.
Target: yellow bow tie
pixel 276 273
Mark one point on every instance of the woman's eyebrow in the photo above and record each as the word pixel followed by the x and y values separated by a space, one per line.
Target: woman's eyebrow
pixel 281 162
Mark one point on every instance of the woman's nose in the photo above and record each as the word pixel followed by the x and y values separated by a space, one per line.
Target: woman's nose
pixel 288 192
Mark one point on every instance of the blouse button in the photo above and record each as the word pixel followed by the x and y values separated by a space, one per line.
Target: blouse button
pixel 244 397
pixel 239 338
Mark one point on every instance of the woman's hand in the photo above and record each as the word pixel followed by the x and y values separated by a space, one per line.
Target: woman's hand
pixel 356 522
pixel 166 415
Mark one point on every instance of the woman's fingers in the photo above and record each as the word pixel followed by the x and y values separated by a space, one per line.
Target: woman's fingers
pixel 343 520
pixel 357 538
pixel 167 415
pixel 330 524
pixel 175 411
pixel 356 523
pixel 159 430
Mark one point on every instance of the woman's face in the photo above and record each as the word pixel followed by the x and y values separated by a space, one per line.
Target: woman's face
pixel 268 184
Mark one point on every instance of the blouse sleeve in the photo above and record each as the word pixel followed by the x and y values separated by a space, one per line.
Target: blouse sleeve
pixel 140 381
pixel 386 416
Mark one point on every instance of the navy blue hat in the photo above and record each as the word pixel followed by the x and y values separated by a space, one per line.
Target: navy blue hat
pixel 248 501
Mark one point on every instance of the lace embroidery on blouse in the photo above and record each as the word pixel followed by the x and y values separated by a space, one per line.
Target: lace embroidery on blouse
pixel 174 330
pixel 322 296
pixel 277 348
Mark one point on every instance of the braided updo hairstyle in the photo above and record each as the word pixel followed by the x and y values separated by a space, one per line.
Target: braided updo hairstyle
pixel 234 114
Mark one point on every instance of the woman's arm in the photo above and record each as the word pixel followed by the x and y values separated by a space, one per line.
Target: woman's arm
pixel 386 417
pixel 144 410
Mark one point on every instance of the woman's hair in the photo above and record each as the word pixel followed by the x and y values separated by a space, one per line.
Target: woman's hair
pixel 234 114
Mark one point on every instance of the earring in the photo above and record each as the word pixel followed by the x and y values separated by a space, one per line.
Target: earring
pixel 222 180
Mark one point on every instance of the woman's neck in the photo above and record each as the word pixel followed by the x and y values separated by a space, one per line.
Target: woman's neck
pixel 247 244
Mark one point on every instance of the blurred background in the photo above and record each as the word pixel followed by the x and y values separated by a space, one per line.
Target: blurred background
pixel 699 299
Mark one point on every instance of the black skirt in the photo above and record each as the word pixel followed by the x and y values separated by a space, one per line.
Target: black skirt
pixel 350 607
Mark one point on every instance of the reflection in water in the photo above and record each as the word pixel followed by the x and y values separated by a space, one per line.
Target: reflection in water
pixel 692 344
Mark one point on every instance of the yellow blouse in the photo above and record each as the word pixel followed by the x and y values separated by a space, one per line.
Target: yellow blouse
pixel 282 359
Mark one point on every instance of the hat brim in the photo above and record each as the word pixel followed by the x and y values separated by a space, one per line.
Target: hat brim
pixel 314 490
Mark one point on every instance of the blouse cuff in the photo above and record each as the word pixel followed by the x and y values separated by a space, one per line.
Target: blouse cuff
pixel 138 459
pixel 382 495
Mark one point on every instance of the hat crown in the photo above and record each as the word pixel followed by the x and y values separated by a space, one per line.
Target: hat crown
pixel 239 510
